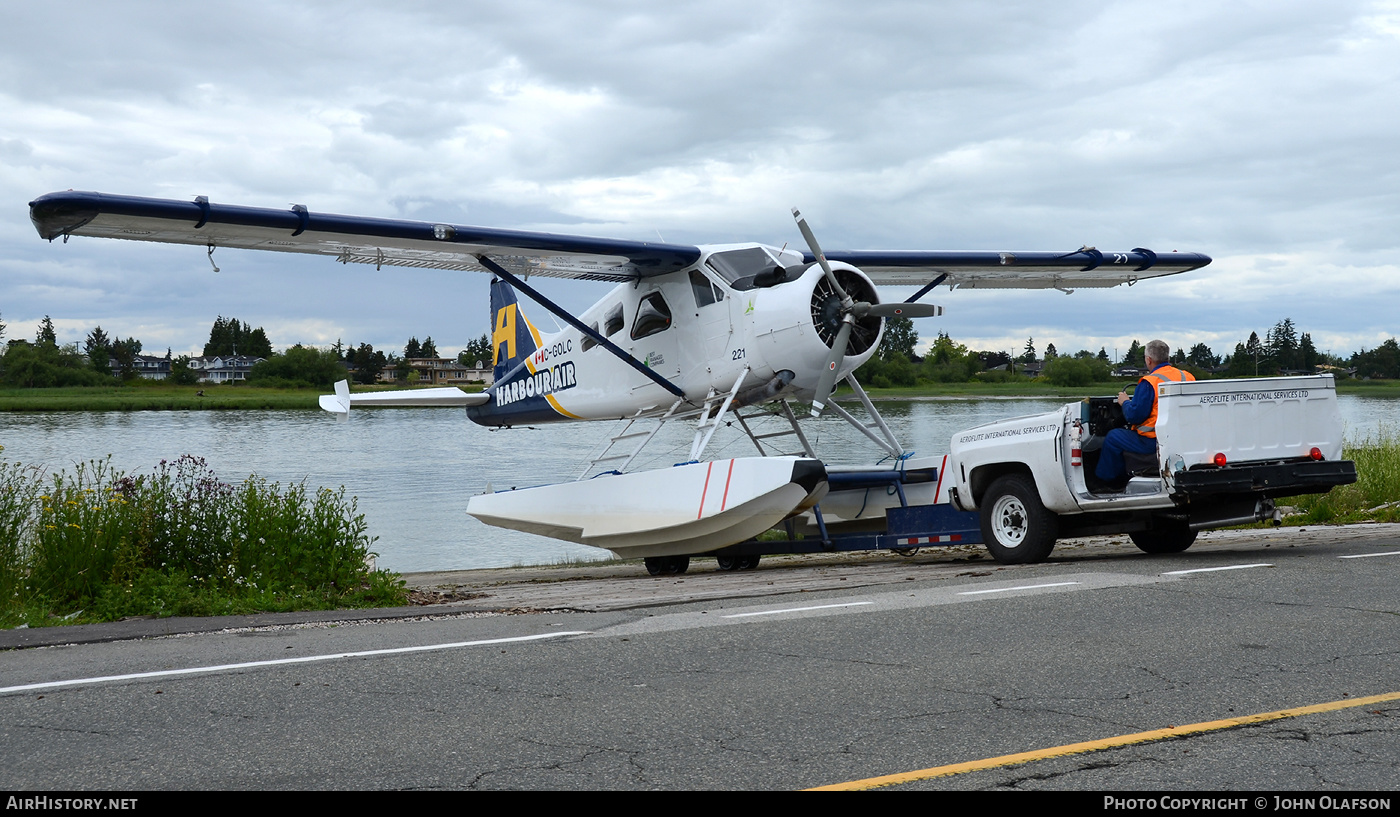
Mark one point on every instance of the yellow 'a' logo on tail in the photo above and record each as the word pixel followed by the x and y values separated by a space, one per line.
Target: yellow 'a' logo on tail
pixel 504 334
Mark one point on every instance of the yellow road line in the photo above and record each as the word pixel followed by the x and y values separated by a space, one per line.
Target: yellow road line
pixel 1103 743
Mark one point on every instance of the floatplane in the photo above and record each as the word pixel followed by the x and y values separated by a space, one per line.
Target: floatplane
pixel 704 335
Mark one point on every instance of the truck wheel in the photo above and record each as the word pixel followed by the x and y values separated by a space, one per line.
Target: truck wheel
pixel 1172 539
pixel 1016 527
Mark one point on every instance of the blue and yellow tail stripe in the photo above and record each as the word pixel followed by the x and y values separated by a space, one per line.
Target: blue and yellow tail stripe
pixel 514 339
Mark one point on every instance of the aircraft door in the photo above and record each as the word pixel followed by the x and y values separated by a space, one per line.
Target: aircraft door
pixel 706 358
pixel 653 334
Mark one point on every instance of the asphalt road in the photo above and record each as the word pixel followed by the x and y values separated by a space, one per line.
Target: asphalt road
pixel 787 677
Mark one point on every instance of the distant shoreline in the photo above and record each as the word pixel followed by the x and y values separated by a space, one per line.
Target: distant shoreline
pixel 161 397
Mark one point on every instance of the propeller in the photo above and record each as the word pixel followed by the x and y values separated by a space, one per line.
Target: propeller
pixel 851 311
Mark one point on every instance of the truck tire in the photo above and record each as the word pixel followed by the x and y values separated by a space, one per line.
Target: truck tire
pixel 1016 527
pixel 1164 539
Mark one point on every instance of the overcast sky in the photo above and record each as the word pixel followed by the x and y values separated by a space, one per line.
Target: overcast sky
pixel 1266 135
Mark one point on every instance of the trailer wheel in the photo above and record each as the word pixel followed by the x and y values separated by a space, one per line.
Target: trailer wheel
pixel 727 562
pixel 1170 539
pixel 748 562
pixel 1016 527
pixel 660 565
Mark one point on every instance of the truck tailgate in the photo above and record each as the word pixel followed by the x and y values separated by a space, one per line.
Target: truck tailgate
pixel 1248 420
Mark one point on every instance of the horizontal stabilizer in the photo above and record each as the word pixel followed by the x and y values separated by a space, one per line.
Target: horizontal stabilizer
pixel 343 400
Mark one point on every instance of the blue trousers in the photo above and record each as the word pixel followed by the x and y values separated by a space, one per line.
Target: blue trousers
pixel 1110 467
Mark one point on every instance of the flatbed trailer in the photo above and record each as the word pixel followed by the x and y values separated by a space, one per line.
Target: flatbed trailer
pixel 906 527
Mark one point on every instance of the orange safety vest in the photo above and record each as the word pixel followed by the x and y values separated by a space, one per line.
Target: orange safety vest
pixel 1148 427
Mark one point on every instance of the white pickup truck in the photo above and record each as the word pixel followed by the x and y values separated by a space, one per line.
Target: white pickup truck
pixel 1225 450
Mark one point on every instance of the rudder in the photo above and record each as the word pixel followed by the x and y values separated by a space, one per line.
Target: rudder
pixel 513 337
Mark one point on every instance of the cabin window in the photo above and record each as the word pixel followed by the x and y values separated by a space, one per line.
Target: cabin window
pixel 612 324
pixel 653 315
pixel 588 341
pixel 706 292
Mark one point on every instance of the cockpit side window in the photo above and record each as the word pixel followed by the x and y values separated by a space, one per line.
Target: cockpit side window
pixel 706 292
pixel 653 315
pixel 612 324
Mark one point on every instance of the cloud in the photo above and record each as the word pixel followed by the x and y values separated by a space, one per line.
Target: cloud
pixel 1261 135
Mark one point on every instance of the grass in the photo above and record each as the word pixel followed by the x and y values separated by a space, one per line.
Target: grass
pixel 1374 497
pixel 158 396
pixel 1369 388
pixel 1030 388
pixel 101 545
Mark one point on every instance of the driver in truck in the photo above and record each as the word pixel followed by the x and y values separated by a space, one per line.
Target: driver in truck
pixel 1141 413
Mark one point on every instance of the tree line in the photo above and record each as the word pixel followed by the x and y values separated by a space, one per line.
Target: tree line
pixel 1283 350
pixel 103 358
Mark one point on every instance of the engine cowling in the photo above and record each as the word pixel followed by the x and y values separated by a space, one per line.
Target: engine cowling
pixel 826 309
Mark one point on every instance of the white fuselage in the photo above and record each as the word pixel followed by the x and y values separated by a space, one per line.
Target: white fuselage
pixel 719 327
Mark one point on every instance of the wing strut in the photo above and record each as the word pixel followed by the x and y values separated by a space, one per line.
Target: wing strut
pixel 930 285
pixel 559 312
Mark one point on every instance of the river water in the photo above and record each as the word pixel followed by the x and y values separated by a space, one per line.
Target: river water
pixel 413 470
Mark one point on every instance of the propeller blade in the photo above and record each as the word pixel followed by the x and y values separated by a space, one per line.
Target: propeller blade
pixel 896 310
pixel 821 257
pixel 827 383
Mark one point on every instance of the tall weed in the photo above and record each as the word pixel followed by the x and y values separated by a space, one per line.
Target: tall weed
pixel 178 541
pixel 1375 496
pixel 19 486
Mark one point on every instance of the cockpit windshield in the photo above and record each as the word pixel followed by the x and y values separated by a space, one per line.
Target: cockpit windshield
pixel 750 267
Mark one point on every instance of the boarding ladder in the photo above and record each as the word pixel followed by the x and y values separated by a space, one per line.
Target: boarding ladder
pixel 710 417
pixel 630 441
pixel 885 439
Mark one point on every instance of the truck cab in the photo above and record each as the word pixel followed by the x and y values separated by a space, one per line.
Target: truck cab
pixel 1225 450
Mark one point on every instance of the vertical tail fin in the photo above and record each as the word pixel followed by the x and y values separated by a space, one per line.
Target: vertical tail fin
pixel 513 337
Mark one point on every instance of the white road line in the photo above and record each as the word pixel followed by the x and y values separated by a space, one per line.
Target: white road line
pixel 1212 569
pixel 302 660
pixel 798 609
pixel 1009 589
pixel 1364 555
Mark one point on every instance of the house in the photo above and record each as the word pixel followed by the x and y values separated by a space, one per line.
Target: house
pixel 146 367
pixel 151 368
pixel 223 368
pixel 438 371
